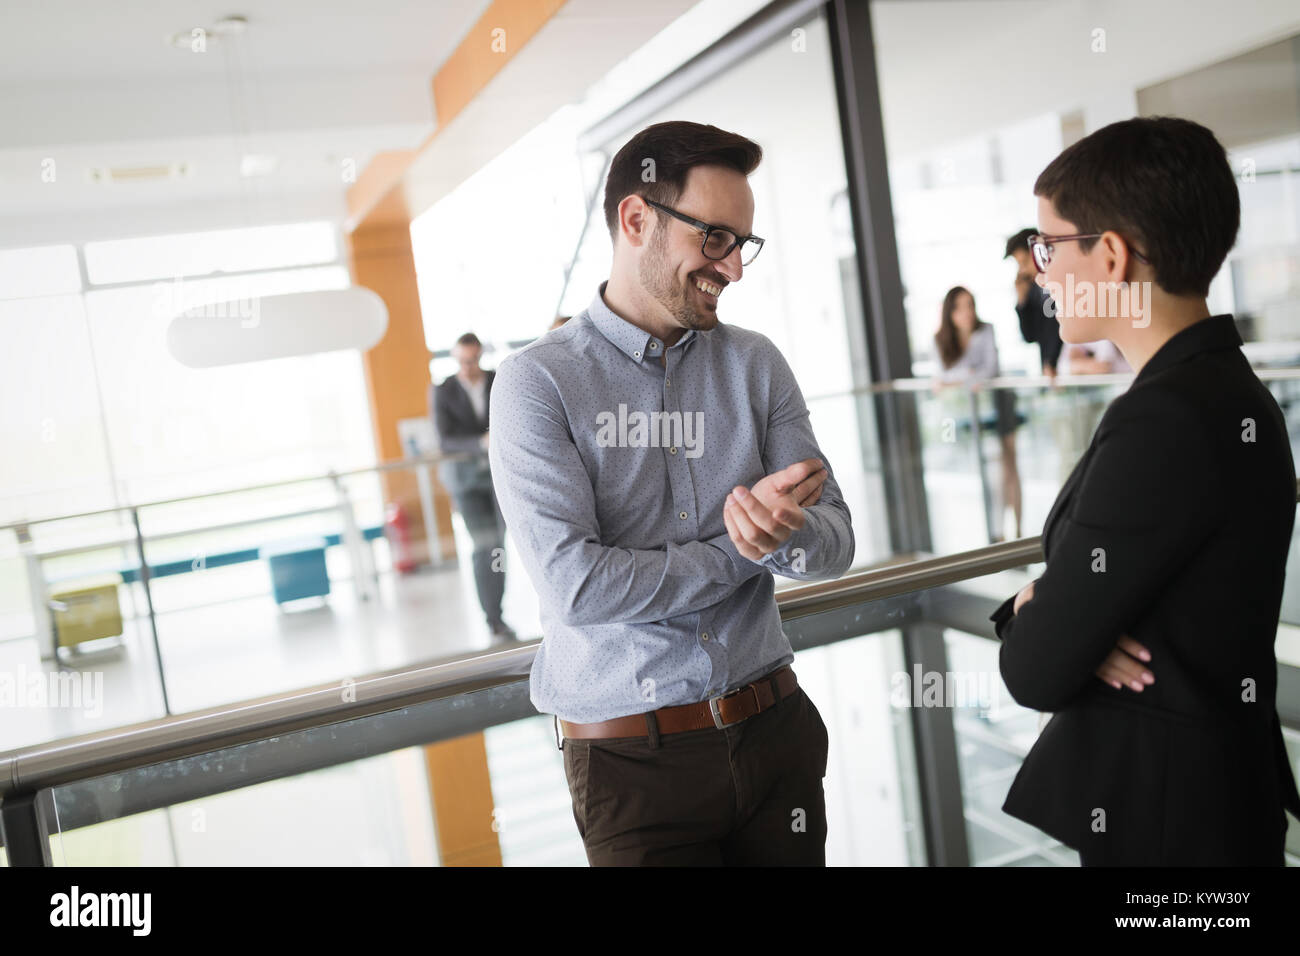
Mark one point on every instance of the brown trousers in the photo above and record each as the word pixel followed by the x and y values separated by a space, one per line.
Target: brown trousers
pixel 749 794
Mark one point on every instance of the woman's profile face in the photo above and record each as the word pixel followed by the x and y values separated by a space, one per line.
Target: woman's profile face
pixel 1071 271
pixel 963 313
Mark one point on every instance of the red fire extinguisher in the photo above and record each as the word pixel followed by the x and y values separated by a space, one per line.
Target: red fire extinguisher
pixel 397 530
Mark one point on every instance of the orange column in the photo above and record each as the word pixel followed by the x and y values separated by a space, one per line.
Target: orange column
pixel 461 790
pixel 397 382
pixel 397 373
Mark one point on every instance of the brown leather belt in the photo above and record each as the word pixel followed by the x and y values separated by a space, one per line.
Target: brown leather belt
pixel 721 711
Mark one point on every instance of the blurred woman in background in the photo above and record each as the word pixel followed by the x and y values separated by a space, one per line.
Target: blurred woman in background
pixel 969 355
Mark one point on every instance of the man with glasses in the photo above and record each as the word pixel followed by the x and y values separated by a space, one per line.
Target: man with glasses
pixel 660 468
pixel 1034 307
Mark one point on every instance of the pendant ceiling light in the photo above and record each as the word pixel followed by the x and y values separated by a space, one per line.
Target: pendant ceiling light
pixel 268 326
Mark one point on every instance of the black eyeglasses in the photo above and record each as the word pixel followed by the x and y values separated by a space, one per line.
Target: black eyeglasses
pixel 1040 248
pixel 718 242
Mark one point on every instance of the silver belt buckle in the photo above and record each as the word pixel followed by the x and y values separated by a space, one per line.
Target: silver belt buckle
pixel 717 714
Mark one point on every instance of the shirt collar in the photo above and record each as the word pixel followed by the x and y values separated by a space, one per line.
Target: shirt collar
pixel 636 343
pixel 1207 335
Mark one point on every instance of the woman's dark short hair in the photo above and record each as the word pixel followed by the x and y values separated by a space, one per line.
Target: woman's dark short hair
pixel 1161 182
pixel 675 148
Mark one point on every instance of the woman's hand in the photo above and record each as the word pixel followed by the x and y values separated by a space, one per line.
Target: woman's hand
pixel 1120 668
pixel 1026 594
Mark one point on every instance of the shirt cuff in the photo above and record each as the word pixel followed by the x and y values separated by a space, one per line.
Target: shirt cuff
pixel 745 568
pixel 780 558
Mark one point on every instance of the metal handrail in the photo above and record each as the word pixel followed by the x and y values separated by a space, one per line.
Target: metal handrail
pixel 1024 382
pixel 64 761
pixel 431 458
pixel 78 758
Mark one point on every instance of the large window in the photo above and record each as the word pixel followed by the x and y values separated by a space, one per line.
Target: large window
pixel 975 111
pixel 801 292
pixel 97 412
pixel 490 257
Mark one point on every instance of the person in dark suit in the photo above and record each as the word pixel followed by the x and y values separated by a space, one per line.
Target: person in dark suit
pixel 1034 307
pixel 460 414
pixel 1150 634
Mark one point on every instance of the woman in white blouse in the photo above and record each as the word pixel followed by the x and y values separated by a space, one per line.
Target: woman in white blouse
pixel 969 356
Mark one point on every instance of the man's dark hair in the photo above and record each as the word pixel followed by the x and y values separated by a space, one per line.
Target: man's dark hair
pixel 1019 241
pixel 1161 182
pixel 675 147
pixel 469 338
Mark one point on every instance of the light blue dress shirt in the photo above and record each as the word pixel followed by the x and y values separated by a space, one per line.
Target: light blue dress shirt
pixel 611 469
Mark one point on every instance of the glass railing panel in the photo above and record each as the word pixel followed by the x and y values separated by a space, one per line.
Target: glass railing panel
pixel 959 445
pixel 532 811
pixel 873 814
pixel 994 734
pixel 985 448
pixel 242 602
pixel 377 810
pixel 374 806
pixel 371 812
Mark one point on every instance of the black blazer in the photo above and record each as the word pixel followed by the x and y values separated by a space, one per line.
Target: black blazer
pixel 461 430
pixel 1173 529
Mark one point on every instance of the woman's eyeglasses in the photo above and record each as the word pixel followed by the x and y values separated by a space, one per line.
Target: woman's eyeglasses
pixel 1040 247
pixel 718 242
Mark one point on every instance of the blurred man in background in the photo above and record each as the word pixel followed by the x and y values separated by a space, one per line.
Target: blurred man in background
pixel 460 413
pixel 1034 306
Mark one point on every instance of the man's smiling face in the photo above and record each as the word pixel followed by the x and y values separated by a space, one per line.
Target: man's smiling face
pixel 673 268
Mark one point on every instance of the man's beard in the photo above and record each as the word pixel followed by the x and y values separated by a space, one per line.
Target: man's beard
pixel 660 281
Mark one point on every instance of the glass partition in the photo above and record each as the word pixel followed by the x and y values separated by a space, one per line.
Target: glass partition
pixel 368 782
pixel 972 117
pixel 379 807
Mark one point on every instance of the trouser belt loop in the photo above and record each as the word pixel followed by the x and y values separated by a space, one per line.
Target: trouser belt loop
pixel 652 725
pixel 776 691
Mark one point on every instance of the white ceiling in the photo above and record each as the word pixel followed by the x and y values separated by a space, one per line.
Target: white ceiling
pixel 91 83
pixel 996 62
pixel 72 40
pixel 321 83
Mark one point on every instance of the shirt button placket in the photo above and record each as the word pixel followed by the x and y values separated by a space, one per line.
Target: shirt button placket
pixel 680 479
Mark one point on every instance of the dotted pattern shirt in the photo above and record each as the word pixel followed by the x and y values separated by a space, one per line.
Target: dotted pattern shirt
pixel 612 456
